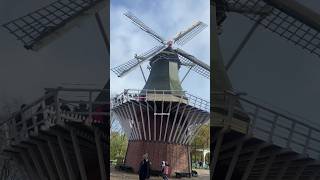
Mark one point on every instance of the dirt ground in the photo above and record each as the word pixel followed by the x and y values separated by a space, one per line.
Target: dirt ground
pixel 118 175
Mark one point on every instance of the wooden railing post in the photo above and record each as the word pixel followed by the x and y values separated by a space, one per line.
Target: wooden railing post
pixel 14 128
pixel 274 122
pixel 253 121
pixel 57 107
pixel 291 134
pixel 24 130
pixel 307 141
pixel 230 110
pixel 90 106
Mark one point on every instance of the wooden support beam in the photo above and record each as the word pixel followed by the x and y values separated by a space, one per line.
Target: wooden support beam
pixel 77 151
pixel 148 117
pixel 301 169
pixel 56 161
pixel 66 157
pixel 167 122
pixel 234 161
pixel 136 126
pixel 97 135
pixel 216 151
pixel 21 159
pixel 28 166
pixel 179 122
pixel 283 169
pixel 36 163
pixel 268 166
pixel 174 120
pixel 234 143
pixel 253 158
pixel 142 117
pixel 246 150
pixel 45 159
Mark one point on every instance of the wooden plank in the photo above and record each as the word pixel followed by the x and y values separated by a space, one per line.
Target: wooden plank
pixel 56 161
pixel 148 116
pixel 234 161
pixel 162 106
pixel 36 163
pixel 135 121
pixel 253 158
pixel 155 120
pixel 66 158
pixel 28 166
pixel 268 166
pixel 179 136
pixel 77 151
pixel 179 122
pixel 100 154
pixel 300 170
pixel 174 120
pixel 45 159
pixel 167 122
pixel 216 152
pixel 142 117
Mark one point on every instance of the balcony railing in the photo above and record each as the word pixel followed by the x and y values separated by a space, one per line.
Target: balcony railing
pixel 269 125
pixel 57 107
pixel 161 95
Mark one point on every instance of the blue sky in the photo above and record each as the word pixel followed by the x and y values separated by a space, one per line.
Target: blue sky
pixel 167 18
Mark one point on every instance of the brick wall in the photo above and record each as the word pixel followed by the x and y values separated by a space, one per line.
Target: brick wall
pixel 176 155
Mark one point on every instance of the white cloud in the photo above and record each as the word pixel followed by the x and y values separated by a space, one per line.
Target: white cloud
pixel 167 18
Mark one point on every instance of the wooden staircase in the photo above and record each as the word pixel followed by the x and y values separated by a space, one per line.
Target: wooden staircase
pixel 271 146
pixel 54 143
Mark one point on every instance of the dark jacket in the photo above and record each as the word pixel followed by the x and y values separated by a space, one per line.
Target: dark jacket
pixel 144 170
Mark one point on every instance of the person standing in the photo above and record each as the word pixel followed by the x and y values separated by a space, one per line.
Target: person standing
pixel 144 168
pixel 165 170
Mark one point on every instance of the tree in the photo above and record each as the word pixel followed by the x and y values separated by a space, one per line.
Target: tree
pixel 118 145
pixel 201 141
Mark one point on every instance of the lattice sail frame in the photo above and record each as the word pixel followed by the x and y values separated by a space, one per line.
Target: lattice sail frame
pixel 180 39
pixel 160 116
pixel 35 26
pixel 280 23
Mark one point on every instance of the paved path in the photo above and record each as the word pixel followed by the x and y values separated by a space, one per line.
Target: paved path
pixel 118 175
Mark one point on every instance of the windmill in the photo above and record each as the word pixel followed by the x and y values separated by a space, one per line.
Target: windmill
pixel 297 24
pixel 180 39
pixel 162 115
pixel 36 30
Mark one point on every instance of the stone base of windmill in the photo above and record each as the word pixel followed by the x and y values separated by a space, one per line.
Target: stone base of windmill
pixel 175 154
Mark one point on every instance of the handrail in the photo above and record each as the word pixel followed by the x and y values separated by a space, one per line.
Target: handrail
pixel 53 108
pixel 136 94
pixel 270 125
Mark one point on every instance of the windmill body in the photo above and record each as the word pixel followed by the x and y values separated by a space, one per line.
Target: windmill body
pixel 161 119
pixel 164 73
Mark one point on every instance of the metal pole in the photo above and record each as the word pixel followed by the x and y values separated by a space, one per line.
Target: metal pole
pixel 244 42
pixel 103 32
pixel 145 80
pixel 186 74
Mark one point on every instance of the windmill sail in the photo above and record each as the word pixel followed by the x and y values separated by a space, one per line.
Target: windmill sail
pixel 185 36
pixel 130 65
pixel 287 18
pixel 42 26
pixel 200 67
pixel 144 27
